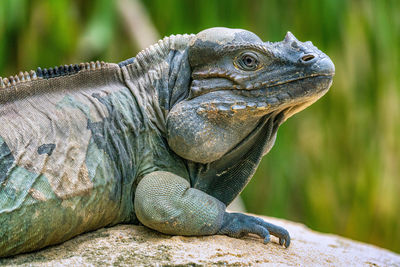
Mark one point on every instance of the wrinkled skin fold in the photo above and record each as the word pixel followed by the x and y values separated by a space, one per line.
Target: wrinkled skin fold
pixel 168 138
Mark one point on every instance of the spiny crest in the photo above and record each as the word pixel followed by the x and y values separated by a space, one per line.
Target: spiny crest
pixel 126 62
pixel 156 53
pixel 68 69
pixel 50 73
pixel 175 42
pixel 21 77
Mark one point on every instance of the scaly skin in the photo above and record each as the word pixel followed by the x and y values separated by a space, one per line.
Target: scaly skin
pixel 168 138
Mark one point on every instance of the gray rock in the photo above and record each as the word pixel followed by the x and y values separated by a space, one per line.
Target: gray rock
pixel 128 245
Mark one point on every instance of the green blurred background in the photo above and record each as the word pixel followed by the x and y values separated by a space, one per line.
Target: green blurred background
pixel 335 166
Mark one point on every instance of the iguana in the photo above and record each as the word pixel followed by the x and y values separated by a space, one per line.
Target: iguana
pixel 167 139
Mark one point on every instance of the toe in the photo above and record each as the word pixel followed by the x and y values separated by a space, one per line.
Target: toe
pixel 287 242
pixel 266 239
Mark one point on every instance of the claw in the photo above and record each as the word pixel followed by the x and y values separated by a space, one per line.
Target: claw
pixel 287 243
pixel 284 241
pixel 237 225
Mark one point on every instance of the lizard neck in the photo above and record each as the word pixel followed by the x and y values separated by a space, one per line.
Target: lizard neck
pixel 159 76
pixel 228 176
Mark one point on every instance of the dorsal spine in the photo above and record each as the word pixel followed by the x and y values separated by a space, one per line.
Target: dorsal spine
pixel 21 77
pixel 49 73
pixel 153 55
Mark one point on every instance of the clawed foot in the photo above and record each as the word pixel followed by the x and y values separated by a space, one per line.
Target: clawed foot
pixel 239 225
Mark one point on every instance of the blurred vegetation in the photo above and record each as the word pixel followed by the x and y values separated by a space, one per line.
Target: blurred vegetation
pixel 335 166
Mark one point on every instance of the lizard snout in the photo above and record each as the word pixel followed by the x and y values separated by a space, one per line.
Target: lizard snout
pixel 308 56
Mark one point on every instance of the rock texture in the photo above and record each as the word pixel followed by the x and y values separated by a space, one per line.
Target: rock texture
pixel 136 245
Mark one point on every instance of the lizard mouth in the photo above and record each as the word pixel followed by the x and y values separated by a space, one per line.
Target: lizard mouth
pixel 207 85
pixel 291 95
pixel 275 88
pixel 304 93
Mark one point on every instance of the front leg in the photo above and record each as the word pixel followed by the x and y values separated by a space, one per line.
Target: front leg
pixel 166 203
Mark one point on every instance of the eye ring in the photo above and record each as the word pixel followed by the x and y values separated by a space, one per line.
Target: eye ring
pixel 248 61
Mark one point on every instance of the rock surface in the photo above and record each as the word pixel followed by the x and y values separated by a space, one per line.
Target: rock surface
pixel 136 245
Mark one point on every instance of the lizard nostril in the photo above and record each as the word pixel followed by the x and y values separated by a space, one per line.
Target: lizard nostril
pixel 307 57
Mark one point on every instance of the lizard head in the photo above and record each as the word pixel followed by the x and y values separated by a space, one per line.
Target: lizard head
pixel 237 79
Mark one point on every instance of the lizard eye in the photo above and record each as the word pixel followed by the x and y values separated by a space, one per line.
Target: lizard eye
pixel 248 61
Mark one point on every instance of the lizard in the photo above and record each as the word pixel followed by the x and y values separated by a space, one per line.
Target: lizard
pixel 166 139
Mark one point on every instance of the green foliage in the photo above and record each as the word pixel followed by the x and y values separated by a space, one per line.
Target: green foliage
pixel 335 166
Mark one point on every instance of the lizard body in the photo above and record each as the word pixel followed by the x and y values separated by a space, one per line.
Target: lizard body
pixel 168 138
